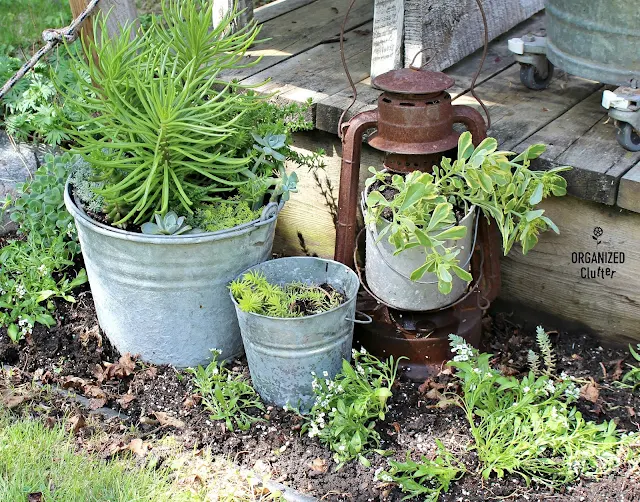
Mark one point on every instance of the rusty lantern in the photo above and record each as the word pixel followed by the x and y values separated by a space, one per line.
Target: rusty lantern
pixel 414 126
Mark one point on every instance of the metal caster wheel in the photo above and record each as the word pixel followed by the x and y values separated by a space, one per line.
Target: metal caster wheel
pixel 533 78
pixel 628 137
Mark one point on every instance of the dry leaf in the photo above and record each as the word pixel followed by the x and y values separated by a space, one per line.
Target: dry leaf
pixel 13 400
pixel 94 391
pixel 77 422
pixel 447 370
pixel 631 411
pixel 319 465
pixel 148 421
pixel 167 420
pixel 125 400
pixel 87 334
pixel 617 372
pixel 123 368
pixel 98 374
pixel 96 403
pixel 138 447
pixel 151 373
pixel 508 370
pixel 430 384
pixel 73 382
pixel 434 394
pixel 590 392
pixel 191 401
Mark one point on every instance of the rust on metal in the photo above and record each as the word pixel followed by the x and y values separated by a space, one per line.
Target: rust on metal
pixel 414 127
pixel 410 81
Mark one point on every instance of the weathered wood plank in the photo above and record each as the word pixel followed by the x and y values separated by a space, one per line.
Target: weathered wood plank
pixel 315 74
pixel 549 279
pixel 295 32
pixel 453 29
pixel 278 8
pixel 308 213
pixel 120 13
pixel 388 33
pixel 583 139
pixel 629 191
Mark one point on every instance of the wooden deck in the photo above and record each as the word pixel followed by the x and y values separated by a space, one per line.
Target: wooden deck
pixel 301 60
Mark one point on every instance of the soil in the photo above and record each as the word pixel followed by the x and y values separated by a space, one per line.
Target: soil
pixel 75 355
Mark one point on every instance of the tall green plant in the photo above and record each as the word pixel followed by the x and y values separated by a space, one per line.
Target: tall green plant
pixel 161 127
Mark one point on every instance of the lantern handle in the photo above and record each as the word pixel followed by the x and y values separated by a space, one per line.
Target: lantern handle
pixel 472 119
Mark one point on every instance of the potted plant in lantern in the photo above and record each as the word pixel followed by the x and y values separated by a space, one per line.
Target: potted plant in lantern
pixel 420 226
pixel 183 181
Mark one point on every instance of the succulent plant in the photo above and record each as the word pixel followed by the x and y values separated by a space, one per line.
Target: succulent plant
pixel 169 224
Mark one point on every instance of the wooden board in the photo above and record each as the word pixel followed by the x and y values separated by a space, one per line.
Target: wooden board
pixel 222 8
pixel 300 30
pixel 449 30
pixel 547 278
pixel 278 8
pixel 388 34
pixel 316 73
pixel 629 192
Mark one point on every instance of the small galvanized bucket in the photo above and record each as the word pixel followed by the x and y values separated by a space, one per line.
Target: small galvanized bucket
pixel 282 352
pixel 165 297
pixel 388 276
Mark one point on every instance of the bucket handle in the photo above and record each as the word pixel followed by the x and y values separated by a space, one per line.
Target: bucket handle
pixel 368 319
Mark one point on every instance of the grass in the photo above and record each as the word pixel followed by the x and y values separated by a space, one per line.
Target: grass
pixel 23 21
pixel 35 459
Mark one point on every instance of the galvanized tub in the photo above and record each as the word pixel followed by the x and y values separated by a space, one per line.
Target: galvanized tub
pixel 282 352
pixel 595 39
pixel 388 275
pixel 165 297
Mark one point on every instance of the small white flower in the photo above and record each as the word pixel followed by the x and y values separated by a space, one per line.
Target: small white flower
pixel 339 389
pixel 342 447
pixel 525 389
pixel 43 270
pixel 477 370
pixel 325 374
pixel 363 351
pixel 460 358
pixel 313 373
pixel 550 387
pixel 21 290
pixel 360 369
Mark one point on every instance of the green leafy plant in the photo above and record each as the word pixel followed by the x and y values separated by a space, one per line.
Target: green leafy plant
pixel 421 212
pixel 254 293
pixel 632 377
pixel 33 109
pixel 428 478
pixel 346 408
pixel 34 270
pixel 226 395
pixel 548 357
pixel 165 130
pixel 169 224
pixel 528 427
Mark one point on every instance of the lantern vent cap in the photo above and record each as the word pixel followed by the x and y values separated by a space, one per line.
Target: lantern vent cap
pixel 410 81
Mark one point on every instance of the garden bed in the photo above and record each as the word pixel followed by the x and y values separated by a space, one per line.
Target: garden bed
pixel 161 401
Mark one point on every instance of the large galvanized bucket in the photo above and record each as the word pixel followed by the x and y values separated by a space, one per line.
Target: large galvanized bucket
pixel 388 276
pixel 595 39
pixel 282 352
pixel 165 297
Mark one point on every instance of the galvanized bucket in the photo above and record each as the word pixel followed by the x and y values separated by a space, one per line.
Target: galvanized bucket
pixel 165 297
pixel 388 276
pixel 282 352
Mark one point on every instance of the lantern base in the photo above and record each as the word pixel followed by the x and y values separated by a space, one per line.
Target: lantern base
pixel 423 337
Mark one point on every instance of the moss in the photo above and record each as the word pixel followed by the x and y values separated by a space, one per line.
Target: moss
pixel 223 214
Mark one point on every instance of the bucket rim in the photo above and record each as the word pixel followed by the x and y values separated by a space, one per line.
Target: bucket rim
pixel 303 318
pixel 269 215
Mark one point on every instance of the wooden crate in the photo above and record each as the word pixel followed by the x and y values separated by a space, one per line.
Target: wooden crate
pixel 448 30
